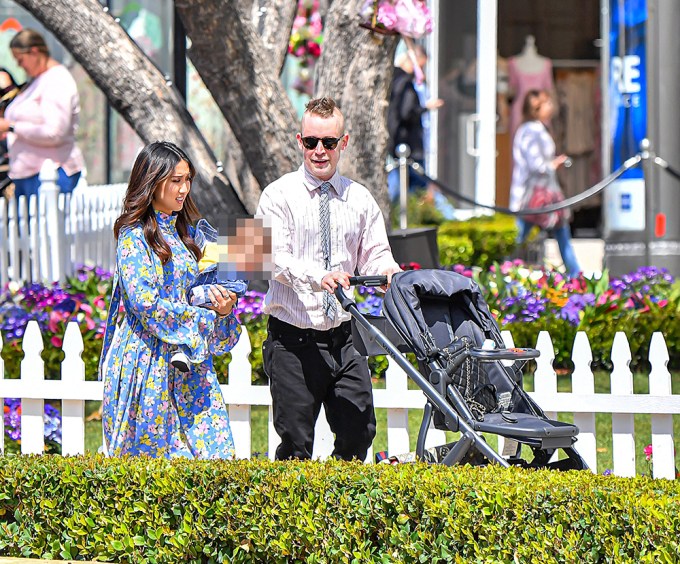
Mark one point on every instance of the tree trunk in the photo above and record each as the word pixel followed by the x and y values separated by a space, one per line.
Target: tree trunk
pixel 228 55
pixel 138 91
pixel 273 20
pixel 356 69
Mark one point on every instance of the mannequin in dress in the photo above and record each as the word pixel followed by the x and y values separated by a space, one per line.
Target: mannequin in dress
pixel 529 61
pixel 527 71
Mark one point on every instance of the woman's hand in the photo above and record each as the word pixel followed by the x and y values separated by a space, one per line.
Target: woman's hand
pixel 557 162
pixel 223 301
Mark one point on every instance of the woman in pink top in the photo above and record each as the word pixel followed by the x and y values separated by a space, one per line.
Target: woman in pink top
pixel 41 122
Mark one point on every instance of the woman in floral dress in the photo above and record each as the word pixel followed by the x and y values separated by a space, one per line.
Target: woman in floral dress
pixel 149 407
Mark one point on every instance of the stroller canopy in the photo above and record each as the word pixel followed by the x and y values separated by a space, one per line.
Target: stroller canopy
pixel 402 304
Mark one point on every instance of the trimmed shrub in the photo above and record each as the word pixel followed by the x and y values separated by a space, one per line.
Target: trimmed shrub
pixel 492 238
pixel 143 510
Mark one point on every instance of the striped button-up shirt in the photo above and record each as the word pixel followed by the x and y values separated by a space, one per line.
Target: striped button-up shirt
pixel 358 244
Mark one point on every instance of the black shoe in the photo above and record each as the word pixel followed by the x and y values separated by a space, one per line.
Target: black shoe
pixel 180 362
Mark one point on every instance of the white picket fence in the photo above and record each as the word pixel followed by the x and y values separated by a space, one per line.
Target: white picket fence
pixel 44 237
pixel 396 398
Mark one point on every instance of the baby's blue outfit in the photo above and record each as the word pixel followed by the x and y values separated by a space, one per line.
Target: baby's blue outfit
pixel 197 293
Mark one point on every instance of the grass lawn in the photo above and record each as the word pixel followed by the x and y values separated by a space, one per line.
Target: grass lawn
pixel 643 433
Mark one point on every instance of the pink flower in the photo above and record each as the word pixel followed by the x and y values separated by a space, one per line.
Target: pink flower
pixel 56 341
pixel 298 22
pixel 648 452
pixel 387 16
pixel 315 27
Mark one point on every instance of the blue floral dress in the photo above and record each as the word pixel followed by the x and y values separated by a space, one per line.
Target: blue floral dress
pixel 149 407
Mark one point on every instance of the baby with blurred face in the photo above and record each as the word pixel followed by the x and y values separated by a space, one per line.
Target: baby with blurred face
pixel 245 252
pixel 241 250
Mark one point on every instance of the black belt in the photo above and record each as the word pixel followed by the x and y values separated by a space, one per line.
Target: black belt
pixel 278 327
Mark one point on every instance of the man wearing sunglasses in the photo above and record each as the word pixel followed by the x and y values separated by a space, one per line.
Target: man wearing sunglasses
pixel 325 228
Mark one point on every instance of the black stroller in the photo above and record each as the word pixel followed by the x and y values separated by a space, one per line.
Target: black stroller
pixel 442 318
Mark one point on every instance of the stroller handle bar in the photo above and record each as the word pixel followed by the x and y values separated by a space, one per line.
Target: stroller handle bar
pixel 378 280
pixel 345 302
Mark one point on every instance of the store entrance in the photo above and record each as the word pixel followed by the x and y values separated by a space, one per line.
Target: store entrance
pixel 567 36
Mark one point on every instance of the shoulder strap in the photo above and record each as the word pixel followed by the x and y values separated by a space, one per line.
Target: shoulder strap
pixel 111 321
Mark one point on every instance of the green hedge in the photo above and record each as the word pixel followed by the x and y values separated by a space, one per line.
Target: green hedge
pixel 488 239
pixel 142 510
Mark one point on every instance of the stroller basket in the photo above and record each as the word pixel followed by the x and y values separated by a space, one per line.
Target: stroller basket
pixel 441 317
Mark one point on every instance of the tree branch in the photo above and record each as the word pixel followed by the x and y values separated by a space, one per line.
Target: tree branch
pixel 273 20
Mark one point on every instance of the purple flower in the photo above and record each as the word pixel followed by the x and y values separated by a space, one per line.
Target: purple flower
pixel 574 307
pixel 249 306
pixel 12 420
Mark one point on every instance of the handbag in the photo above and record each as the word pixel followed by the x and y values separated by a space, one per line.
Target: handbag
pixel 543 192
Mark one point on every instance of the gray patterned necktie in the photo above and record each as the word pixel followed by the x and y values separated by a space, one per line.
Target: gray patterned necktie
pixel 329 306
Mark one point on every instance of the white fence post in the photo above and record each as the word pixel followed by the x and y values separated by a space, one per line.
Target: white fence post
pixel 2 401
pixel 545 378
pixel 49 194
pixel 623 424
pixel 240 377
pixel 72 375
pixel 4 243
pixel 32 410
pixel 663 449
pixel 397 418
pixel 583 382
pixel 324 439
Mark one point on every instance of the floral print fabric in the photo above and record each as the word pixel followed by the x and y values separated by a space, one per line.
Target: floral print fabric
pixel 149 407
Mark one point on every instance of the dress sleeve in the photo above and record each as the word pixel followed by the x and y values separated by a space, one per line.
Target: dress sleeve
pixel 226 334
pixel 170 321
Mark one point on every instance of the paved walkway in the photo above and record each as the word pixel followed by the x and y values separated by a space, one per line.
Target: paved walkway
pixel 589 252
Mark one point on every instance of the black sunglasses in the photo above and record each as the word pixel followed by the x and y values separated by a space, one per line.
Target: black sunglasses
pixel 329 143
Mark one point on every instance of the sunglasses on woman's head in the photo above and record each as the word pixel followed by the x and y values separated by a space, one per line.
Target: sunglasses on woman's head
pixel 329 143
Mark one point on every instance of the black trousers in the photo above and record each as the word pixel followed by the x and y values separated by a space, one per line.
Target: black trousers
pixel 307 369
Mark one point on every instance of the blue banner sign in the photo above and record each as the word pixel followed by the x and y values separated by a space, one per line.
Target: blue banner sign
pixel 627 81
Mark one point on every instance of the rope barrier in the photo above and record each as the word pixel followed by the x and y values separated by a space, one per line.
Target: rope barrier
pixel 590 192
pixel 568 202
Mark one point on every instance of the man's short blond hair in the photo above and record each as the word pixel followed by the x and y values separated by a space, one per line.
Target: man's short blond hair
pixel 324 107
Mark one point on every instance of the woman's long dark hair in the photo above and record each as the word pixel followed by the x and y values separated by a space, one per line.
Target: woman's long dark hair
pixel 154 165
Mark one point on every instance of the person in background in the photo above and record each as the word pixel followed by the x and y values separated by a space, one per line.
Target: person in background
pixel 405 116
pixel 9 88
pixel 41 121
pixel 534 162
pixel 150 408
pixel 325 227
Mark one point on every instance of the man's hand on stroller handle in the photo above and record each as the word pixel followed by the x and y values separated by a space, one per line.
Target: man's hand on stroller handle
pixel 334 279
